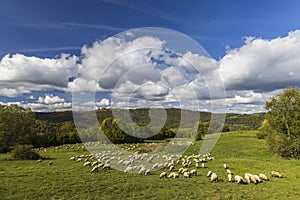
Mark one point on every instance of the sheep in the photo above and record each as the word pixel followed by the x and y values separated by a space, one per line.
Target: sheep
pixel 193 172
pixel 229 177
pixel 79 160
pixel 129 169
pixel 257 178
pixel 239 180
pixel 142 170
pixel 147 172
pixel 95 169
pixel 94 163
pixel 72 158
pixel 87 164
pixel 263 177
pixel 39 160
pixel 171 168
pixel 225 166
pixel 173 175
pixel 228 171
pixel 163 175
pixel 203 165
pixel 50 163
pixel 276 174
pixel 250 178
pixel 186 175
pixel 209 173
pixel 213 177
pixel 106 166
pixel 197 165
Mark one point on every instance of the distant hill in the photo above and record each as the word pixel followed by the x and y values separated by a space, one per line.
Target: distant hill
pixel 141 116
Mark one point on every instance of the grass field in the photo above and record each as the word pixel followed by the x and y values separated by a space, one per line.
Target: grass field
pixel 65 179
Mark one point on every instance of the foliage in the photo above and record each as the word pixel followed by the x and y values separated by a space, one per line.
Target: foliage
pixel 283 126
pixel 16 126
pixel 201 130
pixel 263 130
pixel 25 152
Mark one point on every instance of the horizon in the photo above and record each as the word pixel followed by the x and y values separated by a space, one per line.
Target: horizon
pixel 46 55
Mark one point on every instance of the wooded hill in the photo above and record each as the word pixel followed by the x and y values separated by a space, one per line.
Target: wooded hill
pixel 141 116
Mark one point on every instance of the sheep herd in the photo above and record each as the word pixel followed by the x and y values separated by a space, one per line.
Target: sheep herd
pixel 173 166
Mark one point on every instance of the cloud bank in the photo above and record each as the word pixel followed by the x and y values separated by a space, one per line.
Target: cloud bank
pixel 142 71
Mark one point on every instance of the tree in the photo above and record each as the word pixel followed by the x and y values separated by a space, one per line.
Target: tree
pixel 16 126
pixel 283 123
pixel 201 130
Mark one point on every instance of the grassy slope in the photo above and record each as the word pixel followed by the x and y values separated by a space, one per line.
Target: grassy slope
pixel 69 180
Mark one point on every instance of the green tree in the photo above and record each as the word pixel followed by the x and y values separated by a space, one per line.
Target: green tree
pixel 16 126
pixel 201 130
pixel 283 127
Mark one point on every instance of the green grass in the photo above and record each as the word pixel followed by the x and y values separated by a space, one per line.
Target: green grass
pixel 65 179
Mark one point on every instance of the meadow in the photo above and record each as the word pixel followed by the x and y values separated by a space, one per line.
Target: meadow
pixel 64 179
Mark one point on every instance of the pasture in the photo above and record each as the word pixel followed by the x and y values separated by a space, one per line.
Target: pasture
pixel 65 179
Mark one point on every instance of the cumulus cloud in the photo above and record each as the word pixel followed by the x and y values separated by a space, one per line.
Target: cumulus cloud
pixel 22 74
pixel 263 65
pixel 50 99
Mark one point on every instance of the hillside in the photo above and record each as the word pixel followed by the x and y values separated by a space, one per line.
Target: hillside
pixel 233 121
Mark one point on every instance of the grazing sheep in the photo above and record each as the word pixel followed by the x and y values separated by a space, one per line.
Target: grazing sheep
pixel 186 175
pixel 209 173
pixel 257 178
pixel 147 172
pixel 129 169
pixel 225 166
pixel 106 166
pixel 263 177
pixel 94 163
pixel 213 177
pixel 197 165
pixel 173 175
pixel 142 170
pixel 79 160
pixel 50 163
pixel 95 169
pixel 171 168
pixel 72 158
pixel 229 177
pixel 228 171
pixel 239 180
pixel 163 175
pixel 276 174
pixel 250 178
pixel 87 164
pixel 39 160
pixel 203 165
pixel 193 172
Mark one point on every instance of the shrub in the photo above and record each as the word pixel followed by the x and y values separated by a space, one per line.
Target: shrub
pixel 25 152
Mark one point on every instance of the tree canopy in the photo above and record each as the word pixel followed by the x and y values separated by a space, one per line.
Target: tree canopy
pixel 283 123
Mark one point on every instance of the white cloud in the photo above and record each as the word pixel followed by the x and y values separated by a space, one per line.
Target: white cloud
pixel 263 65
pixel 50 99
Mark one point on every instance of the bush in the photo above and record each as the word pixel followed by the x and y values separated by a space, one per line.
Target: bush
pixel 25 152
pixel 261 135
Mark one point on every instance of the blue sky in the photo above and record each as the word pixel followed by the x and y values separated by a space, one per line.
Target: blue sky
pixel 47 29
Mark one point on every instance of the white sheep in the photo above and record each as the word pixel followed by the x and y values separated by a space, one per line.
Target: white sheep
pixel 225 166
pixel 209 173
pixel 87 164
pixel 263 177
pixel 213 177
pixel 186 175
pixel 39 160
pixel 229 177
pixel 163 175
pixel 171 168
pixel 276 174
pixel 106 166
pixel 193 172
pixel 72 158
pixel 239 180
pixel 250 178
pixel 95 169
pixel 228 171
pixel 142 170
pixel 129 169
pixel 50 163
pixel 257 178
pixel 147 172
pixel 203 165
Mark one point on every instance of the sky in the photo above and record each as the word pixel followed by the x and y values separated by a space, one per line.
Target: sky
pixel 54 52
